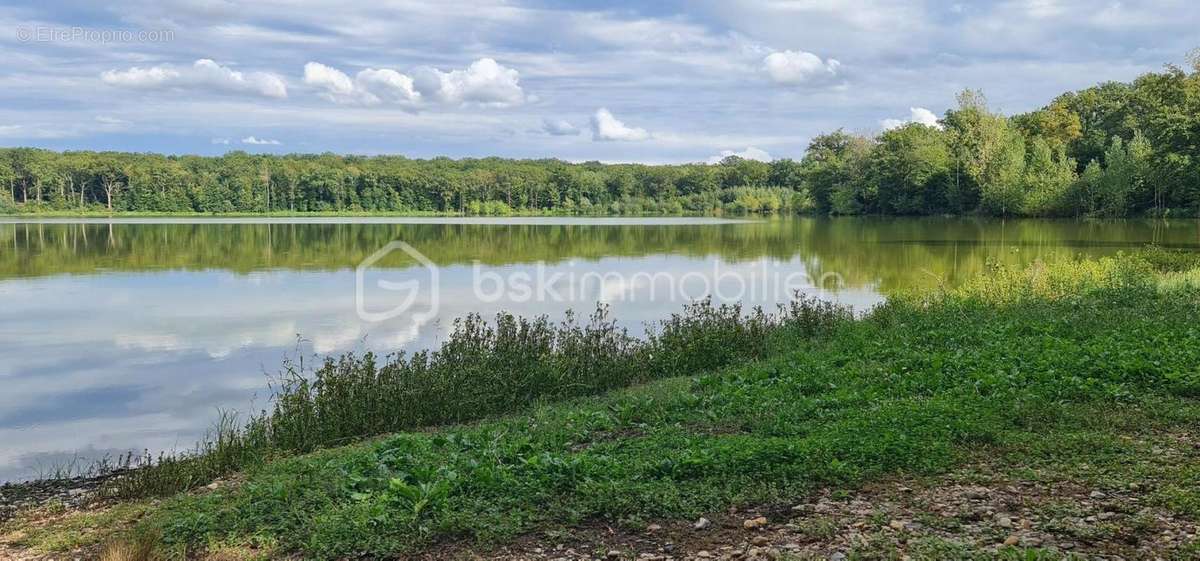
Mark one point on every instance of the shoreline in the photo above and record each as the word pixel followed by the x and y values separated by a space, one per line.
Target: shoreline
pixel 382 219
pixel 70 492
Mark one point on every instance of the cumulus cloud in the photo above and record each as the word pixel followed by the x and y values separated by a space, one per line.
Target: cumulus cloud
pixel 916 115
pixel 798 67
pixel 203 74
pixel 559 127
pixel 260 141
pixel 750 153
pixel 220 141
pixel 607 127
pixel 334 83
pixel 387 85
pixel 485 82
pixel 370 86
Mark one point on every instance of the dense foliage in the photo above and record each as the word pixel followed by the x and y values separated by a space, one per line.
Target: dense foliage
pixel 1116 149
pixel 40 180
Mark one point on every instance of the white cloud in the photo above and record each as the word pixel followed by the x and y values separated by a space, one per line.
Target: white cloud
pixel 798 67
pixel 750 153
pixel 203 74
pixel 336 86
pixel 260 141
pixel 369 87
pixel 137 77
pixel 388 85
pixel 220 141
pixel 559 127
pixel 924 116
pixel 916 115
pixel 485 81
pixel 106 120
pixel 607 127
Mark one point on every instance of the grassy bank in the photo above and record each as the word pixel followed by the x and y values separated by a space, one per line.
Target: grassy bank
pixel 1065 363
pixel 484 368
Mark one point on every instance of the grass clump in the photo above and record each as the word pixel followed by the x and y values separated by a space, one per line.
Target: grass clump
pixel 1050 361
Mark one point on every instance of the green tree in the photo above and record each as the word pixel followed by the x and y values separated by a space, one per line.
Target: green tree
pixel 1056 124
pixel 911 166
pixel 989 157
pixel 1168 109
pixel 1049 175
pixel 835 170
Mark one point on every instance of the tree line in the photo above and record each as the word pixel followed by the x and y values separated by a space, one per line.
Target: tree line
pixel 1115 149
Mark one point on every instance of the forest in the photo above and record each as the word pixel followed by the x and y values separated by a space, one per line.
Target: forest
pixel 1113 150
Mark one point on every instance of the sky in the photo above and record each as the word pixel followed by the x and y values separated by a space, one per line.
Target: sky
pixel 617 81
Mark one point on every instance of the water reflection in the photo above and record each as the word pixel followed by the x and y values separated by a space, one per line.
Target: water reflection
pixel 119 336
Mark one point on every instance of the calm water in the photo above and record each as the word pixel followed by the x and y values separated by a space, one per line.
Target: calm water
pixel 131 335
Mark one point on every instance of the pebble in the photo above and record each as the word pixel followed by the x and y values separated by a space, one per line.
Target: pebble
pixel 1004 522
pixel 755 523
pixel 702 523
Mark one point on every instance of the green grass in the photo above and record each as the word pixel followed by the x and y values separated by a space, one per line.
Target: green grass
pixel 484 368
pixel 64 532
pixel 1050 364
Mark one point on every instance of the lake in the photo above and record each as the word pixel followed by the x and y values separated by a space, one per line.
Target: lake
pixel 120 335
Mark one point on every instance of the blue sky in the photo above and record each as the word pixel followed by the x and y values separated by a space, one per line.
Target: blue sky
pixel 611 81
